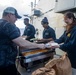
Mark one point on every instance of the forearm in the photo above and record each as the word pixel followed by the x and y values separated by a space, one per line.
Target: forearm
pixel 66 47
pixel 24 43
pixel 27 44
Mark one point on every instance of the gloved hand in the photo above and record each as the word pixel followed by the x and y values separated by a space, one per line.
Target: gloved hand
pixel 52 45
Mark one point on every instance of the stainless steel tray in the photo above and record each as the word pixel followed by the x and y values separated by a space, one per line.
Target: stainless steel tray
pixel 37 56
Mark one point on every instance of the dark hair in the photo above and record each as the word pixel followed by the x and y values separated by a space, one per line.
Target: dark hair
pixel 26 19
pixel 44 21
pixel 70 15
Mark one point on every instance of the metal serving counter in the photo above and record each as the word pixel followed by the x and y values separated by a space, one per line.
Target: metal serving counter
pixel 33 57
pixel 36 54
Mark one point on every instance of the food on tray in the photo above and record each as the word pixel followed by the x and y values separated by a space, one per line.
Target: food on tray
pixel 34 52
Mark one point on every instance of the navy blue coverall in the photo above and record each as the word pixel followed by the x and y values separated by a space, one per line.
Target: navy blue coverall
pixel 30 32
pixel 69 46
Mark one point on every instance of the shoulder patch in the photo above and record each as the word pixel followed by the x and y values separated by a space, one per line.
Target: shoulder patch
pixel 69 35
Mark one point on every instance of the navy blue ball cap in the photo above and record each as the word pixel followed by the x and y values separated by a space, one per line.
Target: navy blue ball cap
pixel 12 11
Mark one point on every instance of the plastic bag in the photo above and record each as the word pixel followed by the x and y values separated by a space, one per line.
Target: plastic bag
pixel 44 71
pixel 61 65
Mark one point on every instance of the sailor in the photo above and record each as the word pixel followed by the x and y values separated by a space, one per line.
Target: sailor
pixel 9 40
pixel 48 32
pixel 29 31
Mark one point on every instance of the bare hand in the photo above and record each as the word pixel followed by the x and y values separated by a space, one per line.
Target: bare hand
pixel 42 46
pixel 52 45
